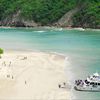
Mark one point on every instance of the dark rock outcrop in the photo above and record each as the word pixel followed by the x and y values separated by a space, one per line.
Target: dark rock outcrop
pixel 16 20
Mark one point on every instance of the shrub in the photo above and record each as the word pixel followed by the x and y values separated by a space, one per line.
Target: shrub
pixel 1 52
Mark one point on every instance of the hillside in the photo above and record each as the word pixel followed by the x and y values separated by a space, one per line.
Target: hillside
pixel 30 13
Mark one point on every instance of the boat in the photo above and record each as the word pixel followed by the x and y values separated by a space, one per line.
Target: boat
pixel 91 83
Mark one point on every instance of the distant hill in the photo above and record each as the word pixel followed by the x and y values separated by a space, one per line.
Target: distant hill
pixel 61 13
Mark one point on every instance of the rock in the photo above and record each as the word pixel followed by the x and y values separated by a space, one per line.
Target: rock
pixel 18 21
pixel 66 20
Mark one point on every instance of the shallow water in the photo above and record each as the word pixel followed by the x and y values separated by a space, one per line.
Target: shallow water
pixel 82 48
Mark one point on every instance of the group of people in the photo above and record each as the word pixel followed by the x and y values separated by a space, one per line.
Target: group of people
pixel 9 64
pixel 4 64
pixel 24 58
pixel 63 85
pixel 8 76
pixel 79 82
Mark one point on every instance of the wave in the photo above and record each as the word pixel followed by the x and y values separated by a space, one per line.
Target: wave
pixel 39 31
pixel 58 29
pixel 80 29
pixel 58 53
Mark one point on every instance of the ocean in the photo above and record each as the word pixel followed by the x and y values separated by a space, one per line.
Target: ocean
pixel 82 47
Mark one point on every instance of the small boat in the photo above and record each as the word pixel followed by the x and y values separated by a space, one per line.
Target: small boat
pixel 92 83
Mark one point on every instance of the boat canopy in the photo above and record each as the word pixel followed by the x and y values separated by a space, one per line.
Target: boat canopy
pixel 96 74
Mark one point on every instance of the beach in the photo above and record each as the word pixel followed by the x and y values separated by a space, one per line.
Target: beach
pixel 33 64
pixel 32 75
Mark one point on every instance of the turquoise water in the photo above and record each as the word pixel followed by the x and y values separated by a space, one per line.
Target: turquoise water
pixel 82 48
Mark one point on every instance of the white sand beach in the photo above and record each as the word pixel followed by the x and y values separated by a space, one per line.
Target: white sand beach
pixel 32 75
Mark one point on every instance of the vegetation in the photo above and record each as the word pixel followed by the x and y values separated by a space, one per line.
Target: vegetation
pixel 1 52
pixel 89 15
pixel 49 11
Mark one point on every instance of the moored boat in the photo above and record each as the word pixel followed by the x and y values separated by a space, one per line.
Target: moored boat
pixel 92 83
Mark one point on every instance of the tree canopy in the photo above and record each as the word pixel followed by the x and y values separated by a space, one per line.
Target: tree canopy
pixel 49 11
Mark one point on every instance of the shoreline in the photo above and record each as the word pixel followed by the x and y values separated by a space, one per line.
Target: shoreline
pixel 46 72
pixel 51 27
pixel 36 51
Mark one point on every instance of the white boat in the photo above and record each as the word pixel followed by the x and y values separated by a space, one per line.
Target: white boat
pixel 92 83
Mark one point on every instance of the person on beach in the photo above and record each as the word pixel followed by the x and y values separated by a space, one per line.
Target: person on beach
pixel 12 77
pixel 9 63
pixel 25 82
pixel 8 76
pixel 59 86
pixel 64 83
pixel 24 58
pixel 4 63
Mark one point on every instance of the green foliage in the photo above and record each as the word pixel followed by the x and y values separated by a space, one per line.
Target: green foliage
pixel 43 11
pixel 49 11
pixel 1 51
pixel 89 16
pixel 46 11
